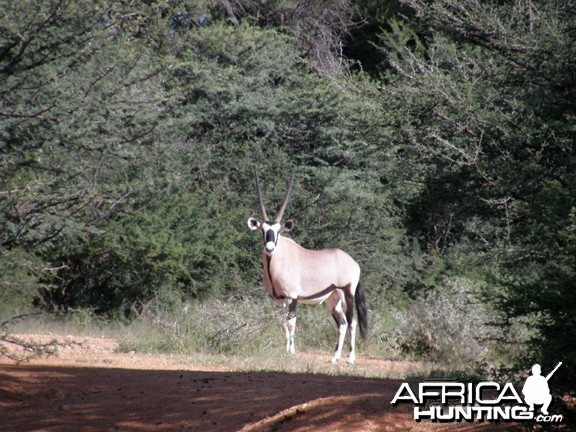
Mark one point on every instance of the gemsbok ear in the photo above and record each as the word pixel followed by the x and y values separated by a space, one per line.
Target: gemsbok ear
pixel 288 225
pixel 253 224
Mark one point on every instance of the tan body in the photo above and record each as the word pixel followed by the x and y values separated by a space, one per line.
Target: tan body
pixel 308 276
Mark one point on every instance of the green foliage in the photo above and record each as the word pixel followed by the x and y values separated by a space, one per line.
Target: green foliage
pixel 538 283
pixel 19 280
pixel 485 113
pixel 138 174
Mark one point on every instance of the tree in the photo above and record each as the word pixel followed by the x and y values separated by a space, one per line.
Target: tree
pixel 73 101
pixel 133 176
pixel 76 83
pixel 484 99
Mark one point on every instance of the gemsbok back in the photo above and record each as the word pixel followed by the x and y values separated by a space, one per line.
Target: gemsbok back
pixel 293 274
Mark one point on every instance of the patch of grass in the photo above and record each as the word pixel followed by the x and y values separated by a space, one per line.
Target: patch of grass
pixel 438 334
pixel 249 326
pixel 80 322
pixel 236 327
pixel 246 335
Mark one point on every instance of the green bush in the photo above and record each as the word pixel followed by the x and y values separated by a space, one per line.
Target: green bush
pixel 450 327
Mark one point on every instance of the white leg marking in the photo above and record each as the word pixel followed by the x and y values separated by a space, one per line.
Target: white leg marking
pixel 340 318
pixel 341 335
pixel 286 334
pixel 291 328
pixel 288 326
pixel 352 355
pixel 352 322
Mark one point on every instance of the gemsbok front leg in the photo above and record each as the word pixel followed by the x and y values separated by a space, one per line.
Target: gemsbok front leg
pixel 289 325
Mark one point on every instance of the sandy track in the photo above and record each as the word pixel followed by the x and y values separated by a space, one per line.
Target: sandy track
pixel 92 387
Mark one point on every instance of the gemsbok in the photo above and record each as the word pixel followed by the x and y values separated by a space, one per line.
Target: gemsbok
pixel 293 274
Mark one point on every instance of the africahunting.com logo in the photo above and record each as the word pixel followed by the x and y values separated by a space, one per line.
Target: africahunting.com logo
pixel 486 400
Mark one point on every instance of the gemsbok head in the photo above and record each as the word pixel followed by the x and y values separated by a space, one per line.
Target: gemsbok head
pixel 293 274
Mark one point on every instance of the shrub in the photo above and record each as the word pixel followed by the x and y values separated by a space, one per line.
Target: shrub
pixel 450 326
pixel 238 326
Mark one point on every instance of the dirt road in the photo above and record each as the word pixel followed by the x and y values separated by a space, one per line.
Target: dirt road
pixel 92 387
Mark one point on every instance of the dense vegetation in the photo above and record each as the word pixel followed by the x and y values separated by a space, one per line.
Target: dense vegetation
pixel 434 141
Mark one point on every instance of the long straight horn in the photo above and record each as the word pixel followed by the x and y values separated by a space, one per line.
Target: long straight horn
pixel 260 201
pixel 278 217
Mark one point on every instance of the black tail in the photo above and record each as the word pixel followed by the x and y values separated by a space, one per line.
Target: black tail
pixel 362 310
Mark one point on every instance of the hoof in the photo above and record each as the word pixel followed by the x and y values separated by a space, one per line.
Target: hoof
pixel 333 360
pixel 350 361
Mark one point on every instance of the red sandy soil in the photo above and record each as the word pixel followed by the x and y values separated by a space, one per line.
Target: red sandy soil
pixel 90 386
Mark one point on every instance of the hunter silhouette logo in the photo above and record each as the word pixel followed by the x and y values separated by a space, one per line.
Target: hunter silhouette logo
pixel 536 390
pixel 450 401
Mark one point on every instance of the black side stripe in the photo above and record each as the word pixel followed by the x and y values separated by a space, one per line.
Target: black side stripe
pixel 268 259
pixel 320 294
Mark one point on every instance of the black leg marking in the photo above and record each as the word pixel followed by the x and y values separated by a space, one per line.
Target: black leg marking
pixel 340 319
pixel 292 309
pixel 349 307
pixel 336 320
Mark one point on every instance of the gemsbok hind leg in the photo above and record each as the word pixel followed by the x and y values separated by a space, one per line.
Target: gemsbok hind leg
pixel 352 326
pixel 335 305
